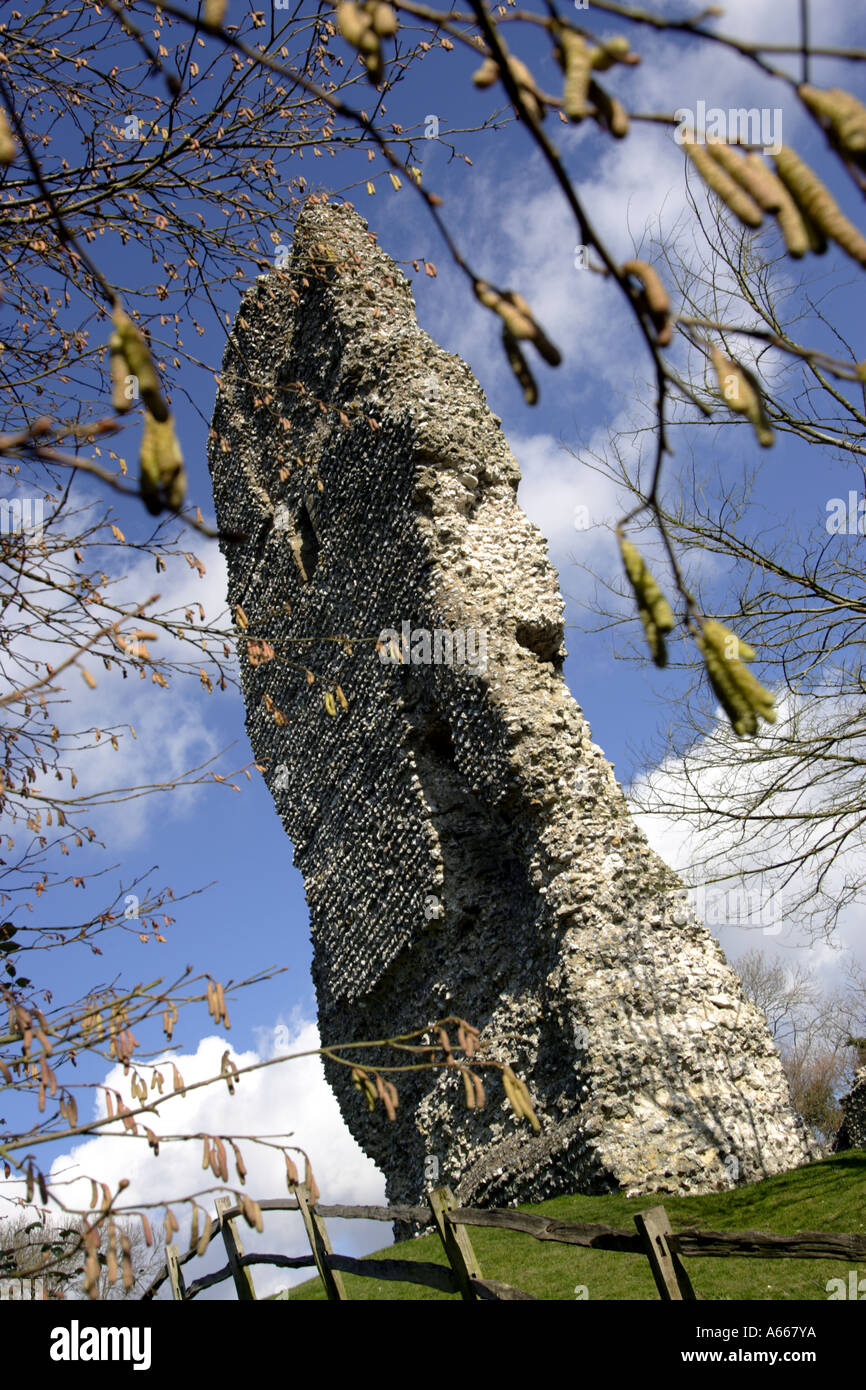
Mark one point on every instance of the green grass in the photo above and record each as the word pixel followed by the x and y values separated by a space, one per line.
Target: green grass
pixel 825 1196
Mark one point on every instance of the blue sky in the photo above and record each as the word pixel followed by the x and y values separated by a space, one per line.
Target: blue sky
pixel 503 210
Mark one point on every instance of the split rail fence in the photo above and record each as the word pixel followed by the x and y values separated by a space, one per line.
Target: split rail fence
pixel 654 1239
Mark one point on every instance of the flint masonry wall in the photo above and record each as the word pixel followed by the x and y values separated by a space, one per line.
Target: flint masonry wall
pixel 852 1132
pixel 464 844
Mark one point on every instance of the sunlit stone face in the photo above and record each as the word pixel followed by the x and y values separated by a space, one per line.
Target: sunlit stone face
pixel 465 846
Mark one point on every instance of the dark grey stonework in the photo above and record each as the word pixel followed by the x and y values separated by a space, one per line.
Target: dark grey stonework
pixel 464 844
pixel 852 1132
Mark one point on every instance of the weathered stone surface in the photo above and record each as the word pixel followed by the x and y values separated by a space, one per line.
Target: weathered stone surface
pixel 464 844
pixel 852 1131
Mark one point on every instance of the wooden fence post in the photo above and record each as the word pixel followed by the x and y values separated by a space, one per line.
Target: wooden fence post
pixel 455 1239
pixel 241 1275
pixel 175 1274
pixel 317 1235
pixel 669 1272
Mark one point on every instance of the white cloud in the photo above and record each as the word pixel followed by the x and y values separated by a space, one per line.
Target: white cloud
pixel 755 907
pixel 777 21
pixel 531 243
pixel 572 504
pixel 519 232
pixel 291 1102
pixel 174 728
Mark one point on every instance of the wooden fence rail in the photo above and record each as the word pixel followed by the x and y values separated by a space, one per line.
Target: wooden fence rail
pixel 653 1239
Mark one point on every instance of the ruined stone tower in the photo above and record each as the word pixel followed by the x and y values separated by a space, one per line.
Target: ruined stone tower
pixel 464 844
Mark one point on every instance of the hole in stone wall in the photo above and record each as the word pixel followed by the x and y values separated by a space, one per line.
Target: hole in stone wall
pixel 543 641
pixel 435 740
pixel 305 544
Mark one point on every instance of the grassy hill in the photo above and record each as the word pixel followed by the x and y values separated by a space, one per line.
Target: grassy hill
pixel 825 1196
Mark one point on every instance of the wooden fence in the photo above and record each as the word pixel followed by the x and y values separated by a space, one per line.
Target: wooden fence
pixel 654 1240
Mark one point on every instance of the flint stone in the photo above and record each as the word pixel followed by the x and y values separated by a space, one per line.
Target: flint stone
pixel 852 1131
pixel 465 846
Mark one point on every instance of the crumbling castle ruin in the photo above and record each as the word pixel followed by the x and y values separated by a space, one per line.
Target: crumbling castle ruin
pixel 852 1131
pixel 464 844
